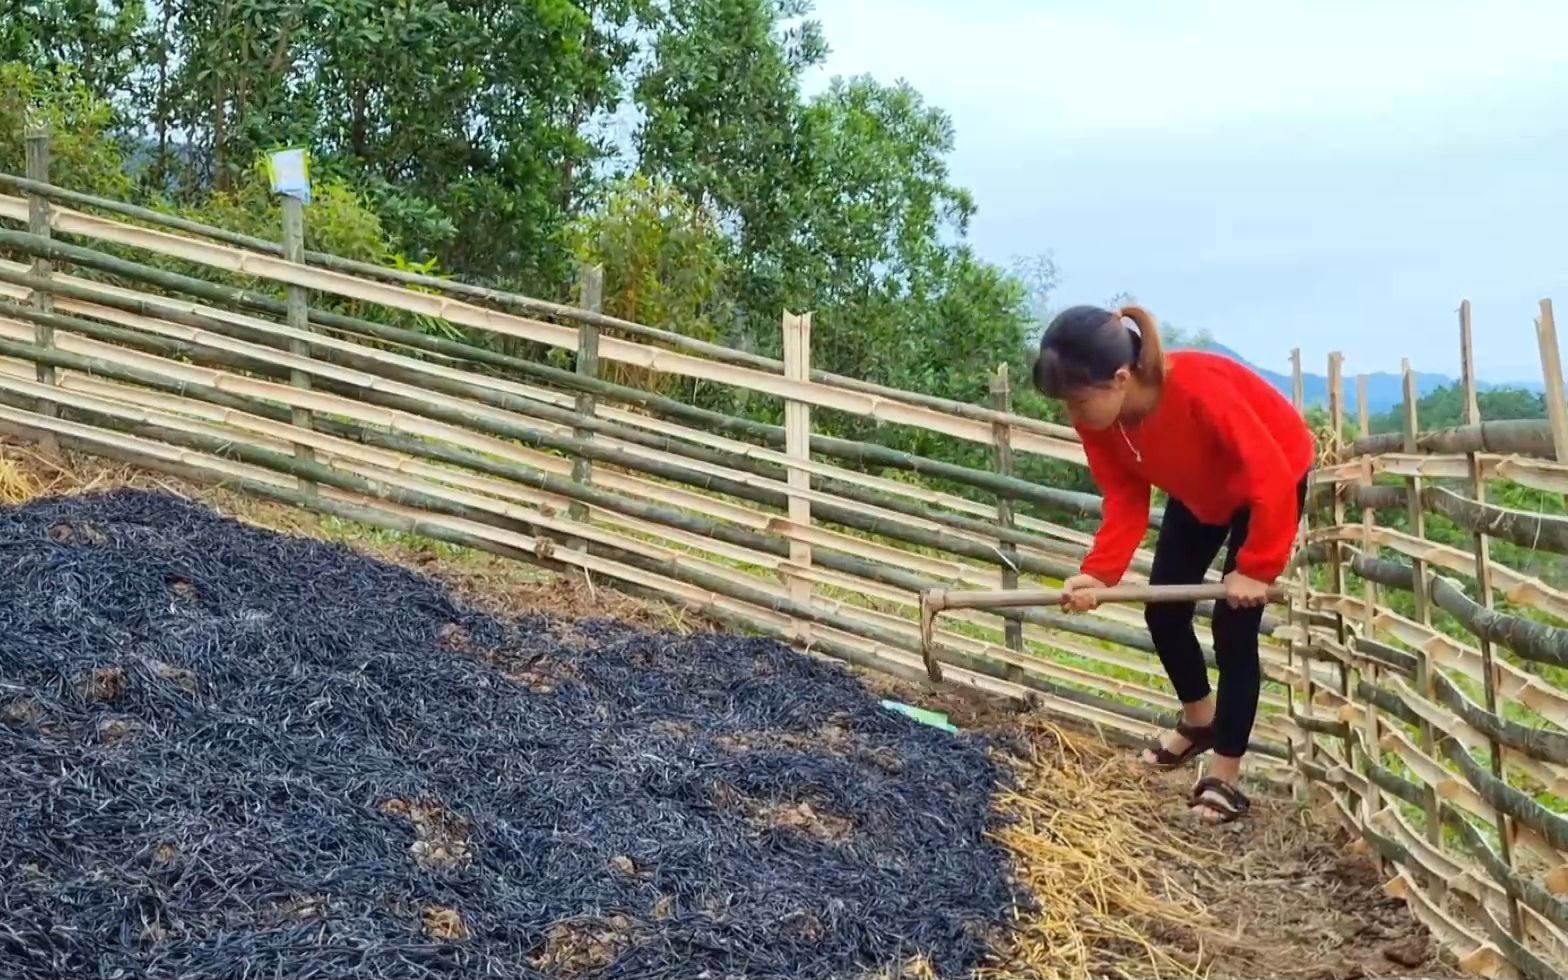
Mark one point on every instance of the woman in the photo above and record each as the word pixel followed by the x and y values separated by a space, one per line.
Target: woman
pixel 1232 455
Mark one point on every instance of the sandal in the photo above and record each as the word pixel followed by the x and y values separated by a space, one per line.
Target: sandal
pixel 1220 798
pixel 1200 738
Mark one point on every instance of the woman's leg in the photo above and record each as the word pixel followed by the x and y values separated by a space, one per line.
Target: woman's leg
pixel 1182 555
pixel 1241 675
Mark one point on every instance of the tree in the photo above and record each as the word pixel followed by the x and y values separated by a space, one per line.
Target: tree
pixel 83 153
pixel 720 100
pixel 1444 408
pixel 1039 276
pixel 464 121
pixel 101 42
pixel 665 262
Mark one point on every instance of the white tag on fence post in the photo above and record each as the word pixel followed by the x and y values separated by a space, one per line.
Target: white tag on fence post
pixel 289 171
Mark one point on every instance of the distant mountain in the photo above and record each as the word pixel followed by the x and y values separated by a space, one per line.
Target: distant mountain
pixel 1385 389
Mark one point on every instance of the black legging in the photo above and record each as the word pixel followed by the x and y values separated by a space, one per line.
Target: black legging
pixel 1183 554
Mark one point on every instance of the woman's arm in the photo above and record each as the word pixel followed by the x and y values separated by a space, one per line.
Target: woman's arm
pixel 1125 518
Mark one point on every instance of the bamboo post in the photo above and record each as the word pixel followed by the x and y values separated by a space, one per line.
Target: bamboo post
pixel 1424 679
pixel 298 300
pixel 1002 401
pixel 1483 576
pixel 797 434
pixel 1336 413
pixel 1303 615
pixel 1552 372
pixel 1373 802
pixel 590 288
pixel 36 139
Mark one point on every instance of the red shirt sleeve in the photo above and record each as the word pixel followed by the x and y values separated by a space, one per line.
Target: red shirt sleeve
pixel 1270 481
pixel 1125 519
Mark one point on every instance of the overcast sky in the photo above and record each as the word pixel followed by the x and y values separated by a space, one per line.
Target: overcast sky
pixel 1333 174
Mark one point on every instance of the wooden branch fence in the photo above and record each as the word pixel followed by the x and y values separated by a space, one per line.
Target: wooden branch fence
pixel 1419 687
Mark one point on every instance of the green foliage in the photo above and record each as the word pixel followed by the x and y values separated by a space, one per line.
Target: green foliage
pixel 1445 408
pixel 100 42
pixel 664 256
pixel 82 154
pixel 466 124
pixel 337 220
pixel 721 109
pixel 665 262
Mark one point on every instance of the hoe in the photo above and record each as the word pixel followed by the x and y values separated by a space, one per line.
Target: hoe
pixel 934 601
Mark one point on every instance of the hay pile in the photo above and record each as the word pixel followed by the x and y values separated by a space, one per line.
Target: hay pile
pixel 235 753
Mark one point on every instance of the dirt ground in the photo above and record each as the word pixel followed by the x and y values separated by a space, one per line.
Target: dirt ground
pixel 1283 893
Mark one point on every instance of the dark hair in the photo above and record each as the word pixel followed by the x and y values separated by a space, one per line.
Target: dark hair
pixel 1085 346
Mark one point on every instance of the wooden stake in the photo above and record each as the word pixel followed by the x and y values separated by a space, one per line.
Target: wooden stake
pixel 1424 668
pixel 590 280
pixel 1483 576
pixel 298 299
pixel 1002 401
pixel 1303 618
pixel 1373 801
pixel 37 144
pixel 1552 372
pixel 797 433
pixel 1336 413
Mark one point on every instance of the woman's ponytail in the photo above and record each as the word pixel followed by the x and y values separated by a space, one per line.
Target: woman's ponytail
pixel 1150 368
pixel 1086 346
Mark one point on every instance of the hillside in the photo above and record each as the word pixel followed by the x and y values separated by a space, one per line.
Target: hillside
pixel 1385 389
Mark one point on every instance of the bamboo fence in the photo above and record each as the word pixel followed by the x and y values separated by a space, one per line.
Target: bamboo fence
pixel 1418 687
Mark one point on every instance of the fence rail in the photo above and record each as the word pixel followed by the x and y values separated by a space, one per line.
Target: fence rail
pixel 1416 680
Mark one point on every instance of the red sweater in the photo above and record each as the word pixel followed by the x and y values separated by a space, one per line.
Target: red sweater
pixel 1221 438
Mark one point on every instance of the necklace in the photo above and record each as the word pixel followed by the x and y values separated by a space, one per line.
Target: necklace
pixel 1136 455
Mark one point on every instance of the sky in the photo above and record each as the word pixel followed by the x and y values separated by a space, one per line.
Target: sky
pixel 1328 174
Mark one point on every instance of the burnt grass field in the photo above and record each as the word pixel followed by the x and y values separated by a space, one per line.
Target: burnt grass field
pixel 226 752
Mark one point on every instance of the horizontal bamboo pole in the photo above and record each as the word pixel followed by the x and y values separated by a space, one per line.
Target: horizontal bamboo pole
pixel 866 454
pixel 1530 437
pixel 1530 640
pixel 1505 799
pixel 936 600
pixel 1446 652
pixel 229 259
pixel 1537 474
pixel 471 419
pixel 1516 586
pixel 100 301
pixel 1547 776
pixel 1547 532
pixel 1548 746
pixel 524 304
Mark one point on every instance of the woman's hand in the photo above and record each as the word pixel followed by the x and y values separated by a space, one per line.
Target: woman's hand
pixel 1242 592
pixel 1077 594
